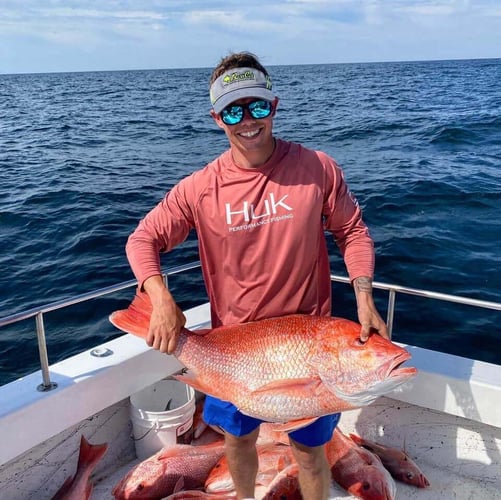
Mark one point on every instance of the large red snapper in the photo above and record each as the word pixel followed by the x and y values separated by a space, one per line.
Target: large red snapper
pixel 290 368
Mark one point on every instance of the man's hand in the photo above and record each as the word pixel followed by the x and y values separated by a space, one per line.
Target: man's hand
pixel 368 316
pixel 167 319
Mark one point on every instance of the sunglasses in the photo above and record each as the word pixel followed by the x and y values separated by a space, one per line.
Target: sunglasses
pixel 234 113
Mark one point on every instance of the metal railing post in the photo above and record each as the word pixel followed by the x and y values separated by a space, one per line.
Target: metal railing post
pixel 46 384
pixel 391 311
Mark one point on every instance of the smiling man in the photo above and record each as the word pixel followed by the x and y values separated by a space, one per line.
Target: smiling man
pixel 251 141
pixel 260 210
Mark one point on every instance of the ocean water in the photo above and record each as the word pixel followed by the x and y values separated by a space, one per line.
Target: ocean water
pixel 83 156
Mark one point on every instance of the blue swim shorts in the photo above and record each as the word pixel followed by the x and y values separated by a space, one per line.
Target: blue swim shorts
pixel 227 416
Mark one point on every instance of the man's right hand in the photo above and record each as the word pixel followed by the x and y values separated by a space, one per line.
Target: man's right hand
pixel 167 320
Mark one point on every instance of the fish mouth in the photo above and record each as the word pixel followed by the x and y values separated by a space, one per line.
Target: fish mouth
pixel 389 376
pixel 394 368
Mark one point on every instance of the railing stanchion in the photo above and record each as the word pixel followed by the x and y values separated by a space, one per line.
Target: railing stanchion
pixel 391 311
pixel 46 384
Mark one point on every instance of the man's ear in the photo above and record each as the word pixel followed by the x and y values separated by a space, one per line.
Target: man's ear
pixel 275 105
pixel 217 119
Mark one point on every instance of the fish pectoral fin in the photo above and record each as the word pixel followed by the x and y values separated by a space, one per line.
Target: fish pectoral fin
pixel 297 387
pixel 294 425
pixel 192 380
pixel 286 386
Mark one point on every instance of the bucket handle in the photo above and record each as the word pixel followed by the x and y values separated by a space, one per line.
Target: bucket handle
pixel 154 426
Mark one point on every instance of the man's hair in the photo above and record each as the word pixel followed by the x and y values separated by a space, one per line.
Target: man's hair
pixel 237 60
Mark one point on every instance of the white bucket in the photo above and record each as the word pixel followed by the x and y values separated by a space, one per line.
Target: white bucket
pixel 160 414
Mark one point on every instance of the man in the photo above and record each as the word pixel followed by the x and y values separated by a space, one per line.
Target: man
pixel 260 211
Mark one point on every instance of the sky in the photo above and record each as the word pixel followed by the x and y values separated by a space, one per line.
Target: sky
pixel 92 35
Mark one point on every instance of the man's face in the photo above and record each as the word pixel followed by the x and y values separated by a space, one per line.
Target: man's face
pixel 251 134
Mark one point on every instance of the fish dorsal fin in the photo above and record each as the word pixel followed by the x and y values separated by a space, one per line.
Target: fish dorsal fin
pixel 169 452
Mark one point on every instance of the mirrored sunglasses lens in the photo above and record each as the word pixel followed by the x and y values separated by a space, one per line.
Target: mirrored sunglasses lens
pixel 260 109
pixel 232 115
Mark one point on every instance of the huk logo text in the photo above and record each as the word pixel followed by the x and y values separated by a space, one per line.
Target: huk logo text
pixel 270 207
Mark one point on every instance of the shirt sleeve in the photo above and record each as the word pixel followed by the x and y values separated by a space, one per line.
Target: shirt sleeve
pixel 164 227
pixel 343 218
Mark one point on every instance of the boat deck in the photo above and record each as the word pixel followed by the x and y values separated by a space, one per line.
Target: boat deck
pixel 461 459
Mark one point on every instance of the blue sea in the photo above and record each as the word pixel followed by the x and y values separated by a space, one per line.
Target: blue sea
pixel 83 156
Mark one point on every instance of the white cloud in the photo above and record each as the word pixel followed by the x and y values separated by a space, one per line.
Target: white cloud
pixel 102 14
pixel 54 34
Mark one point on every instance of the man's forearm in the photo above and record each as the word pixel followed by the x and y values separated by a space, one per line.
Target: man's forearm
pixel 156 289
pixel 362 284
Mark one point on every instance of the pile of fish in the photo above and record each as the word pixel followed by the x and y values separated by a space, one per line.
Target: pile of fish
pixel 199 470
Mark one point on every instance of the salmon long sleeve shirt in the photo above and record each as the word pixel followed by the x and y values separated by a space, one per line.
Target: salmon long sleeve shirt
pixel 261 233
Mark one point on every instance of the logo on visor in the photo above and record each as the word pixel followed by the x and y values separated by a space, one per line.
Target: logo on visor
pixel 238 77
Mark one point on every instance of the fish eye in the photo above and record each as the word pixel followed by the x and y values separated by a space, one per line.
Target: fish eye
pixel 366 486
pixel 359 342
pixel 409 475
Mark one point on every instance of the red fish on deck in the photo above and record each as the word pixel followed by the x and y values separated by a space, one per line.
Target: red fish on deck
pixel 357 470
pixel 287 369
pixel 285 485
pixel 79 487
pixel 159 475
pixel 398 463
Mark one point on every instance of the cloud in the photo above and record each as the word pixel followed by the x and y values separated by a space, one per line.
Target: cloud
pixel 38 35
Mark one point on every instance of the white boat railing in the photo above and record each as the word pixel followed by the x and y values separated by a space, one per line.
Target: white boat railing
pixel 38 312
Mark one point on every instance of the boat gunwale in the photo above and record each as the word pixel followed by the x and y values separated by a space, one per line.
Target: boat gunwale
pixel 38 312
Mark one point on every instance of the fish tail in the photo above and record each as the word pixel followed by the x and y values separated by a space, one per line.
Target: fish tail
pixel 136 318
pixel 90 454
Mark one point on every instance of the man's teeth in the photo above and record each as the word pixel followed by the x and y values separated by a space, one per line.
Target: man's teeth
pixel 250 134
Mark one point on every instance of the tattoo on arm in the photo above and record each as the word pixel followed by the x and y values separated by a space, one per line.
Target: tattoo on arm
pixel 363 284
